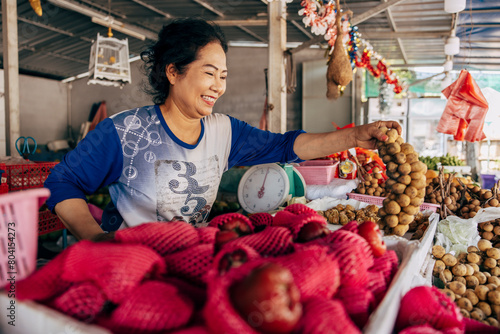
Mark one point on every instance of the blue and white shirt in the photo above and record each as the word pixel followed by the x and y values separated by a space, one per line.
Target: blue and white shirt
pixel 154 176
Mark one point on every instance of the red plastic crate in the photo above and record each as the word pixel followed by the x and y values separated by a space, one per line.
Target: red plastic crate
pixel 27 176
pixel 48 222
pixel 377 200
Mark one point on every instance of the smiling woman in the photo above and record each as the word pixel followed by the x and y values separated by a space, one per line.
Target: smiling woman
pixel 164 162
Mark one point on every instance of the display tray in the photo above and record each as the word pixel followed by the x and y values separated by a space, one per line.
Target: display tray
pixel 412 256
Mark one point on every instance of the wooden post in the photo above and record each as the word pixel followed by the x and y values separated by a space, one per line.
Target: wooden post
pixel 276 67
pixel 11 74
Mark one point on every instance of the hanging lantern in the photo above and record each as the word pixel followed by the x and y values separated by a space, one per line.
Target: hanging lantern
pixel 454 6
pixel 452 46
pixel 448 66
pixel 109 62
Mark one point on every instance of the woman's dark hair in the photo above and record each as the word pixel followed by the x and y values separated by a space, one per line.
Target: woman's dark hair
pixel 178 43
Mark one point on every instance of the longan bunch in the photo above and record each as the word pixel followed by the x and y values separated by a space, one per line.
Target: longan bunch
pixel 490 230
pixel 341 215
pixel 471 280
pixel 406 183
pixel 370 183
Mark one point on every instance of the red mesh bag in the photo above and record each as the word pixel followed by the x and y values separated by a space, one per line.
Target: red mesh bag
pixel 353 254
pixel 227 217
pixel 44 283
pixel 299 209
pixel 351 226
pixel 192 330
pixel 295 222
pixel 219 314
pixel 261 219
pixel 358 303
pixel 207 234
pixel 83 301
pixel 223 260
pixel 422 329
pixel 271 241
pixel 427 305
pixel 165 238
pixel 377 285
pixel 325 316
pixel 117 269
pixel 475 327
pixel 283 218
pixel 195 293
pixel 192 263
pixel 386 264
pixel 313 270
pixel 154 307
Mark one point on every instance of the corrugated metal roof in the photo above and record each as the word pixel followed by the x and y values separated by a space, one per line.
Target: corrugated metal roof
pixel 411 32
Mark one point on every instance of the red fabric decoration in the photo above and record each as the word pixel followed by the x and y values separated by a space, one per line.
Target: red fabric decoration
pixel 465 111
pixel 294 222
pixel 165 238
pixel 325 316
pixel 377 285
pixel 154 307
pixel 387 264
pixel 261 219
pixel 222 219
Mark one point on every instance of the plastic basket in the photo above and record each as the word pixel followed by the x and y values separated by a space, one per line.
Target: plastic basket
pixel 48 222
pixel 318 171
pixel 18 233
pixel 27 176
pixel 379 201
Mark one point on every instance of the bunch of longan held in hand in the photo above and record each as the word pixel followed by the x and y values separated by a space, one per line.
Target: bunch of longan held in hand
pixel 406 183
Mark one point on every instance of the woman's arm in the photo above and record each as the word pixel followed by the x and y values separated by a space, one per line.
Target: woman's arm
pixel 75 215
pixel 316 145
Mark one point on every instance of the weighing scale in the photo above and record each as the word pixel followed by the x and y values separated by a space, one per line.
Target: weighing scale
pixel 266 187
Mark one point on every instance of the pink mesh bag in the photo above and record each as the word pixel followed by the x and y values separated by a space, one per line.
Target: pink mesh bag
pixel 351 226
pixel 377 284
pixel 207 234
pixel 295 222
pixel 45 282
pixel 83 301
pixel 475 327
pixel 165 238
pixel 272 241
pixel 219 314
pixel 299 209
pixel 154 307
pixel 192 263
pixel 117 269
pixel 353 254
pixel 261 220
pixel 421 329
pixel 387 264
pixel 192 330
pixel 427 305
pixel 224 259
pixel 325 316
pixel 195 293
pixel 227 217
pixel 313 270
pixel 358 303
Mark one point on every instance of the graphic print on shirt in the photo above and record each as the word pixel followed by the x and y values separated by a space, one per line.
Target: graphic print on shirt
pixel 184 189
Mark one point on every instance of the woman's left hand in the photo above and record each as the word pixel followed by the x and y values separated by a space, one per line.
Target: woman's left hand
pixel 366 136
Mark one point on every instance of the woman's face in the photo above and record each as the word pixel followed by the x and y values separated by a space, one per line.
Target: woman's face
pixel 195 92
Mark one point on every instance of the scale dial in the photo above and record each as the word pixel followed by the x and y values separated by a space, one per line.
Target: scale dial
pixel 263 188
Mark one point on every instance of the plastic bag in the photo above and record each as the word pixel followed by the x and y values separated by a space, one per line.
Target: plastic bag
pixel 465 111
